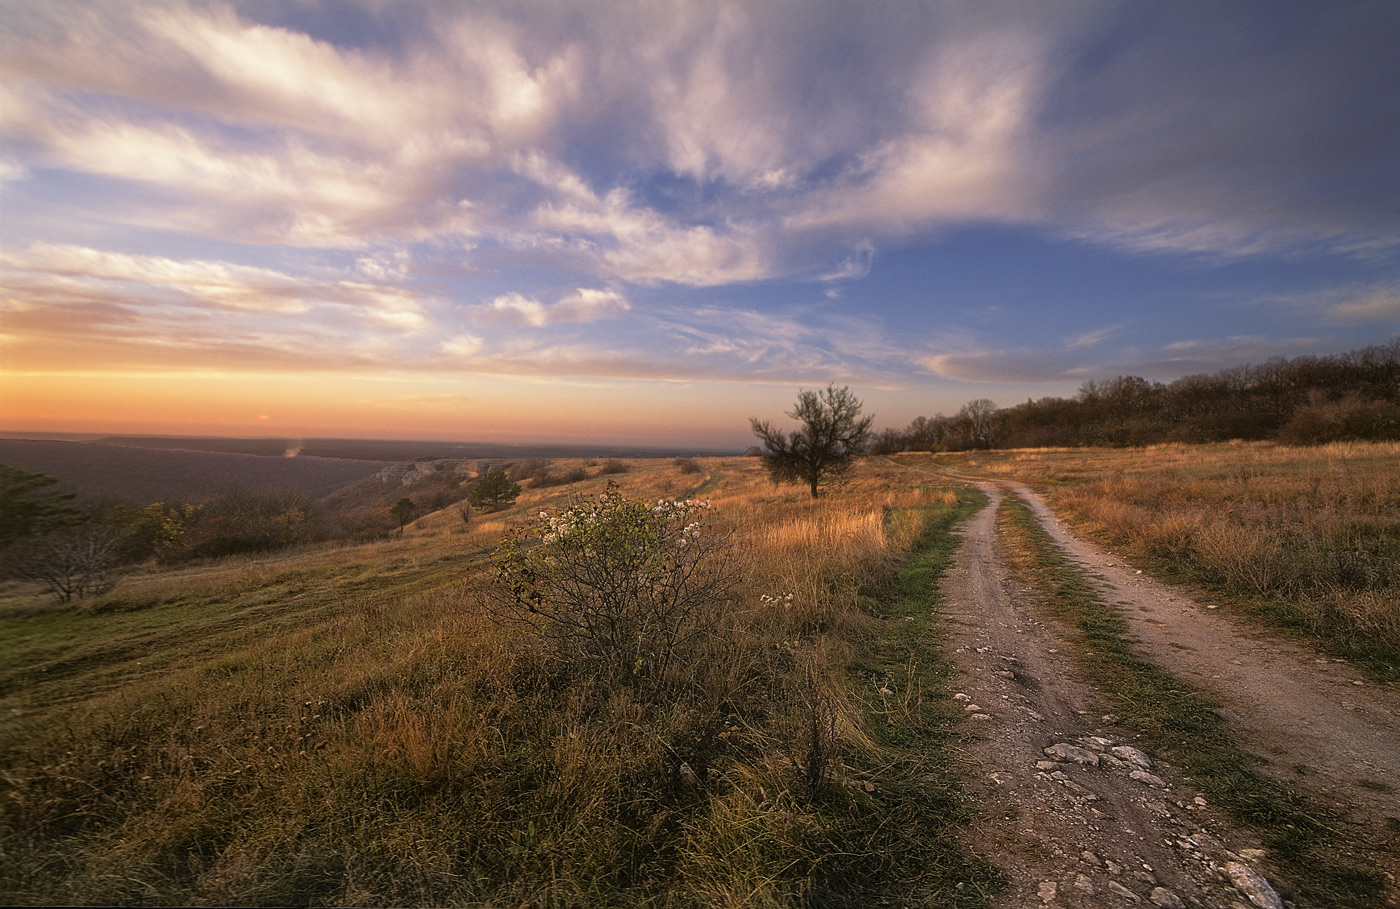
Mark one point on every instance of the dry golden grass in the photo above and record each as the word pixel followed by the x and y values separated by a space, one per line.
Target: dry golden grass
pixel 1311 536
pixel 344 724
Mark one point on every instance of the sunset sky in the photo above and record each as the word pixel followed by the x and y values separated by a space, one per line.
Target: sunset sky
pixel 648 221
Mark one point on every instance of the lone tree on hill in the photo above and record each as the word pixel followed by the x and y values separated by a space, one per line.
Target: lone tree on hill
pixel 403 511
pixel 833 434
pixel 494 489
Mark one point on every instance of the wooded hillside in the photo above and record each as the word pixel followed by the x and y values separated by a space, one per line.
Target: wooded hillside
pixel 1306 400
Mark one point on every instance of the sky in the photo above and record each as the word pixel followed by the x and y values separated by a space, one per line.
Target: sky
pixel 645 222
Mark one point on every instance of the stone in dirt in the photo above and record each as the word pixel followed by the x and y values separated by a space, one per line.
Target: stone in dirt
pixel 1048 890
pixel 1073 753
pixel 1165 899
pixel 1148 779
pixel 1132 756
pixel 1253 885
pixel 1124 892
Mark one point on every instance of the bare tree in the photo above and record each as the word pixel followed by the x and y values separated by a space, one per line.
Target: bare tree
pixel 75 562
pixel 978 416
pixel 833 434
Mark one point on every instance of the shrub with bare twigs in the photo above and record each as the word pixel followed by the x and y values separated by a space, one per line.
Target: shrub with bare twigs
pixel 617 588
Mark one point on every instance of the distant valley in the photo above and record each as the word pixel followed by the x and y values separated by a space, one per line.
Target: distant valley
pixel 153 468
pixel 142 475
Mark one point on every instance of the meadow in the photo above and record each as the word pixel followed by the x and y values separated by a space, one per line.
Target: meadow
pixel 1305 539
pixel 349 724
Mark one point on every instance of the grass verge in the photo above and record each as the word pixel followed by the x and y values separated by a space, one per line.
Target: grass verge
pixel 1322 866
pixel 900 677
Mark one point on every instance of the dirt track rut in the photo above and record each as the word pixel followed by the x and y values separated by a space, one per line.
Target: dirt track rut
pixel 1077 827
pixel 1301 711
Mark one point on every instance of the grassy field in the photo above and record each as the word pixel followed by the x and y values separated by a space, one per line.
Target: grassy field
pixel 345 724
pixel 1306 539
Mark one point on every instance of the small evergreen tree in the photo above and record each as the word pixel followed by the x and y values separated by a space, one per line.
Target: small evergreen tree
pixel 494 489
pixel 29 505
pixel 403 511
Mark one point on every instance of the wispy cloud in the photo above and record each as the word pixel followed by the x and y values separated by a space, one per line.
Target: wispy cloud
pixel 583 305
pixel 857 265
pixel 1075 364
pixel 48 272
pixel 1011 365
pixel 261 133
pixel 1375 303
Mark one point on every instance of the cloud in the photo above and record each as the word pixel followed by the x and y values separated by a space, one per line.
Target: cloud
pixel 463 345
pixel 728 144
pixel 516 308
pixel 588 304
pixel 798 347
pixel 253 131
pixel 583 305
pixel 93 308
pixel 1372 304
pixel 71 306
pixel 50 270
pixel 1092 338
pixel 969 108
pixel 1016 365
pixel 216 284
pixel 1230 132
pixel 1352 303
pixel 613 236
pixel 855 266
pixel 1073 363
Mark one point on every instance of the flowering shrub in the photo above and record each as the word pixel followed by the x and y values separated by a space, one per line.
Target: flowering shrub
pixel 617 587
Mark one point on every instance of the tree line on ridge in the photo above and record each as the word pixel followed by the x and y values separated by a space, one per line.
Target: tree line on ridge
pixel 1306 400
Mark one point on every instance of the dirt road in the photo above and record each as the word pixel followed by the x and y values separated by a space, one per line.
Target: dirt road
pixel 1076 818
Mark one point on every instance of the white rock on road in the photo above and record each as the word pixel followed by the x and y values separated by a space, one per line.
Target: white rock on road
pixel 1132 756
pixel 1073 754
pixel 1253 885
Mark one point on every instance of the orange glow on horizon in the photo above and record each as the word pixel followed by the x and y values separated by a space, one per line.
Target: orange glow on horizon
pixel 336 406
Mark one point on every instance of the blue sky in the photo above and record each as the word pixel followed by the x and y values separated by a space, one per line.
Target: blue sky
pixel 649 221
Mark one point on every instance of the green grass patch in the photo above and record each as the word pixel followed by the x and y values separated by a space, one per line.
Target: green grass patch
pixel 1323 866
pixel 910 833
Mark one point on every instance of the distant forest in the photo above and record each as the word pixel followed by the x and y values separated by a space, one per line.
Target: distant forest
pixel 1307 400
